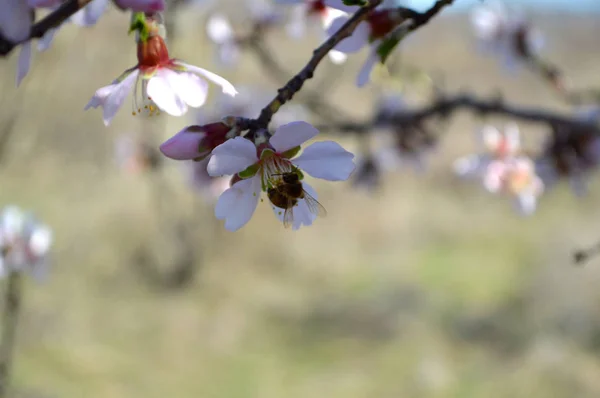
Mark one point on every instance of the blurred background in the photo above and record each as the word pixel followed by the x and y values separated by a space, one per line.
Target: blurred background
pixel 425 287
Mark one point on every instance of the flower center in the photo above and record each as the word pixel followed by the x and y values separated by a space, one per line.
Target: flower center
pixel 152 53
pixel 272 167
pixel 142 104
pixel 382 22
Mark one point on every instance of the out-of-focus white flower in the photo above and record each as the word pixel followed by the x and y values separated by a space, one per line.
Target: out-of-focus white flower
pixel 221 33
pixel 24 243
pixel 200 181
pixel 506 32
pixel 308 14
pixel 274 168
pixel 496 145
pixel 167 84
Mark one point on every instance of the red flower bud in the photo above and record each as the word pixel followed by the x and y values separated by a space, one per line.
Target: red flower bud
pixel 152 52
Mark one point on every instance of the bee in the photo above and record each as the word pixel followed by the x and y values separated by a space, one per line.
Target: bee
pixel 285 194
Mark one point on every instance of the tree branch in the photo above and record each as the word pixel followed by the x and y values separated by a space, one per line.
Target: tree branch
pixel 52 20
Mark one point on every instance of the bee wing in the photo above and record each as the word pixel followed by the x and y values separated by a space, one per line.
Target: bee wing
pixel 288 214
pixel 314 206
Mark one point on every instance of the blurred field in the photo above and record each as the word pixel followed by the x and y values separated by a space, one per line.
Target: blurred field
pixel 427 288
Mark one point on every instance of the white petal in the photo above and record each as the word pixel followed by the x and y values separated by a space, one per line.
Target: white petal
pixel 188 87
pixel 15 20
pixel 237 204
pixel 219 29
pixel 337 57
pixel 326 160
pixel 218 80
pixel 163 94
pixel 513 140
pixel 13 222
pixel 527 203
pixel 491 138
pixel 365 72
pixel 296 27
pixel 90 14
pixel 100 96
pixel 231 157
pixel 40 240
pixel 291 135
pixel 24 61
pixel 113 102
pixel 354 43
pixel 46 40
pixel 469 165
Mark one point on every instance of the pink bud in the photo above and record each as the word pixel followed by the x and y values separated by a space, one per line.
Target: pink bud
pixel 142 5
pixel 195 142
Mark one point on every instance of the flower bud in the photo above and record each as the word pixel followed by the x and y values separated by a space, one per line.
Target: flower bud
pixel 195 142
pixel 141 5
pixel 383 22
pixel 152 52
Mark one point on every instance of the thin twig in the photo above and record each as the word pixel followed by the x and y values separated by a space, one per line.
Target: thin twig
pixel 12 305
pixel 52 20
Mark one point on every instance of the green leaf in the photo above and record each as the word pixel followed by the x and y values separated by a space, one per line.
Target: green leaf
pixel 360 3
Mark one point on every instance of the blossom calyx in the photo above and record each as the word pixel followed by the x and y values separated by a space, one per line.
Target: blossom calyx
pixel 197 142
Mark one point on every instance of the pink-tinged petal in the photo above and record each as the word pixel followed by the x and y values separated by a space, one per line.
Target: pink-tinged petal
pixel 100 97
pixel 185 145
pixel 90 14
pixel 301 214
pixel 339 5
pixel 237 204
pixel 43 3
pixel 15 20
pixel 365 72
pixel 494 177
pixel 24 62
pixel 46 40
pixel 331 15
pixel 291 135
pixel 491 138
pixel 326 160
pixel 218 80
pixel 189 88
pixel 354 43
pixel 231 157
pixel 113 102
pixel 163 93
pixel 142 5
pixel 513 139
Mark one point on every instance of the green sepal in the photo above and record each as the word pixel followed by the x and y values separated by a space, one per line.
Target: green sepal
pixel 138 24
pixel 300 173
pixel 266 153
pixel 360 3
pixel 250 171
pixel 387 46
pixel 290 153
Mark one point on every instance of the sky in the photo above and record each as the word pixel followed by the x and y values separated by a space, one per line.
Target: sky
pixel 550 5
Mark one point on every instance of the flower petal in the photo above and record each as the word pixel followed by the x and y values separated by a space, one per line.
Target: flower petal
pixel 218 80
pixel 113 102
pixel 90 14
pixel 291 135
pixel 365 72
pixel 326 160
pixel 185 145
pixel 219 29
pixel 163 94
pixel 189 87
pixel 354 43
pixel 40 240
pixel 237 204
pixel 231 157
pixel 15 20
pixel 24 62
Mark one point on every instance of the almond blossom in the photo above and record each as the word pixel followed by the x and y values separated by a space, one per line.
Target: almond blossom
pixel 496 145
pixel 262 167
pixel 369 33
pixel 24 243
pixel 506 32
pixel 319 13
pixel 167 84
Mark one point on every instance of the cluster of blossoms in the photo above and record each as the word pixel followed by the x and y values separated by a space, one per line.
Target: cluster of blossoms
pixel 24 243
pixel 506 32
pixel 504 168
pixel 17 18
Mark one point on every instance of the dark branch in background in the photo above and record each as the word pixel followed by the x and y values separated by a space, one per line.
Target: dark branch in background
pixel 444 106
pixel 52 20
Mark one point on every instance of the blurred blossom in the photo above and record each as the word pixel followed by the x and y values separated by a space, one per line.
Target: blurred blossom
pixel 270 168
pixel 90 14
pixel 496 145
pixel 369 33
pixel 311 14
pixel 367 174
pixel 221 33
pixel 24 243
pixel 167 83
pixel 135 156
pixel 197 142
pixel 516 177
pixel 506 32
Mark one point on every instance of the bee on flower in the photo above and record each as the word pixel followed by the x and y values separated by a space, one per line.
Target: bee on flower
pixel 24 243
pixel 164 83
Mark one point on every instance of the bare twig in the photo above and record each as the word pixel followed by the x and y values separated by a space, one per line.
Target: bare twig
pixel 12 305
pixel 52 20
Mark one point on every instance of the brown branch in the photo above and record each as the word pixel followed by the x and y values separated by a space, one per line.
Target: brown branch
pixel 444 106
pixel 52 20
